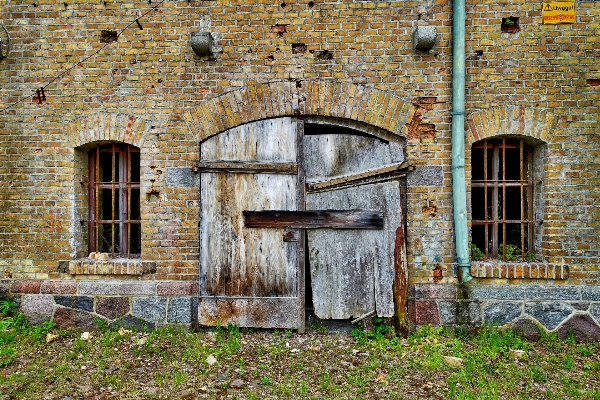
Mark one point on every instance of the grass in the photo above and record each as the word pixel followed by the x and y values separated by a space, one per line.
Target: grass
pixel 173 363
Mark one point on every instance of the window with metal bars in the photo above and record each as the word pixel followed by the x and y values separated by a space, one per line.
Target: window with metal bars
pixel 114 200
pixel 502 189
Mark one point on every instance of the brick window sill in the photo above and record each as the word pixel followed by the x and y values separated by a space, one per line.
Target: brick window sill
pixel 115 266
pixel 518 270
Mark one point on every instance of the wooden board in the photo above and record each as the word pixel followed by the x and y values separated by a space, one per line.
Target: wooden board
pixel 269 312
pixel 364 177
pixel 352 271
pixel 343 219
pixel 246 167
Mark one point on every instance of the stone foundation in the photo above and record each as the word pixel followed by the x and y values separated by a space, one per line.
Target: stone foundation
pixel 85 304
pixel 533 309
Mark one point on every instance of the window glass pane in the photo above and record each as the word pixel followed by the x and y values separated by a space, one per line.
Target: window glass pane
pixel 134 211
pixel 477 164
pixel 479 236
pixel 490 164
pixel 477 203
pixel 105 204
pixel 135 167
pixel 106 167
pixel 513 203
pixel 513 163
pixel 105 238
pixel 135 239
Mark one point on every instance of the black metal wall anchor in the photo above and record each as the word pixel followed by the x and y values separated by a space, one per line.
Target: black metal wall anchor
pixel 40 95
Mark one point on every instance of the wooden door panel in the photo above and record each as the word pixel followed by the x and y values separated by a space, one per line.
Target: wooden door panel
pixel 272 140
pixel 334 155
pixel 352 271
pixel 249 276
pixel 241 261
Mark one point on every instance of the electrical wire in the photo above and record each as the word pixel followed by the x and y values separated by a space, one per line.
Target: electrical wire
pixel 60 75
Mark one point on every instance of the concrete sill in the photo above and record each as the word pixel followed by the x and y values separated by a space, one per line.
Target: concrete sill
pixel 115 266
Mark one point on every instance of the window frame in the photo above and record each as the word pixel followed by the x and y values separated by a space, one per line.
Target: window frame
pixel 121 188
pixel 495 225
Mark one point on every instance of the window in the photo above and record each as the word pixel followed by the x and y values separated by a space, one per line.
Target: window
pixel 502 199
pixel 114 200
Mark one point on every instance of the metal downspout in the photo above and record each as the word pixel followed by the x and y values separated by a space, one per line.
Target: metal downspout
pixel 459 191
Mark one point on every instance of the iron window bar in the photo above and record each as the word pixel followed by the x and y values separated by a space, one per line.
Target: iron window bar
pixel 496 185
pixel 112 195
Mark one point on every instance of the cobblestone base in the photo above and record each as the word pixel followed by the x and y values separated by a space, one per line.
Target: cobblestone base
pixel 83 304
pixel 533 309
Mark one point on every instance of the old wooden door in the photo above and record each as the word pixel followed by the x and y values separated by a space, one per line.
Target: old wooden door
pixel 353 270
pixel 250 276
pixel 263 186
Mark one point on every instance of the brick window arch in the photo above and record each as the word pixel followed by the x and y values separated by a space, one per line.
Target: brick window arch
pixel 114 224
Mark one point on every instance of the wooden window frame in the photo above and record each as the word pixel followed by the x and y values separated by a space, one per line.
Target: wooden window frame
pixel 122 240
pixel 495 204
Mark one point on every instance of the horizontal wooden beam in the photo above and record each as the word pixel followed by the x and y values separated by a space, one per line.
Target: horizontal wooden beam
pixel 341 219
pixel 354 179
pixel 248 167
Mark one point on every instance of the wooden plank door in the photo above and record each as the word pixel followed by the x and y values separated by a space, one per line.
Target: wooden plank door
pixel 353 270
pixel 251 276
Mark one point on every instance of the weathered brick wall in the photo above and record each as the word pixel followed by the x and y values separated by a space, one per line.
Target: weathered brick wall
pixel 543 70
pixel 152 77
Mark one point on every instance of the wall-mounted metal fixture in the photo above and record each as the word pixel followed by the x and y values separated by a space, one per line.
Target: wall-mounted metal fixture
pixel 4 42
pixel 424 37
pixel 202 43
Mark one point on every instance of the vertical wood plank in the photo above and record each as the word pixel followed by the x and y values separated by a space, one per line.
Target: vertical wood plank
pixel 302 237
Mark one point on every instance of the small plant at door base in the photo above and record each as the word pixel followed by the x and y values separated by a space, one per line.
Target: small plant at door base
pixel 476 254
pixel 380 330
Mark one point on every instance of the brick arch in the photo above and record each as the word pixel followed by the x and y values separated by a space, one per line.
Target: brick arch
pixel 511 120
pixel 284 98
pixel 114 127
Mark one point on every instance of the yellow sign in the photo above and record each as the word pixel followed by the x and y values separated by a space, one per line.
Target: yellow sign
pixel 558 12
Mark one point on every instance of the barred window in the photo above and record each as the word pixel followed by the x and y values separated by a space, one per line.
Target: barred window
pixel 114 200
pixel 502 189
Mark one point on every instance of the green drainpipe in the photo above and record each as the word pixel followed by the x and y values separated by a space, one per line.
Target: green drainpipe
pixel 459 191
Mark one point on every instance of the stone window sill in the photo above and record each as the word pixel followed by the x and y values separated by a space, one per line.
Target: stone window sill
pixel 518 270
pixel 115 266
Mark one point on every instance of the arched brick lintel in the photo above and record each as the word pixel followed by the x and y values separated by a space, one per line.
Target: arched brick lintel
pixel 511 120
pixel 283 98
pixel 114 127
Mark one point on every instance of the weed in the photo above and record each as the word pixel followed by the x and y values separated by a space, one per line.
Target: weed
pixel 476 254
pixel 319 327
pixel 512 252
pixel 265 381
pixel 303 388
pixel 6 305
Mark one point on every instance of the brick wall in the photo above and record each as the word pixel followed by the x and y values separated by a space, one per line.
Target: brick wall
pixel 342 47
